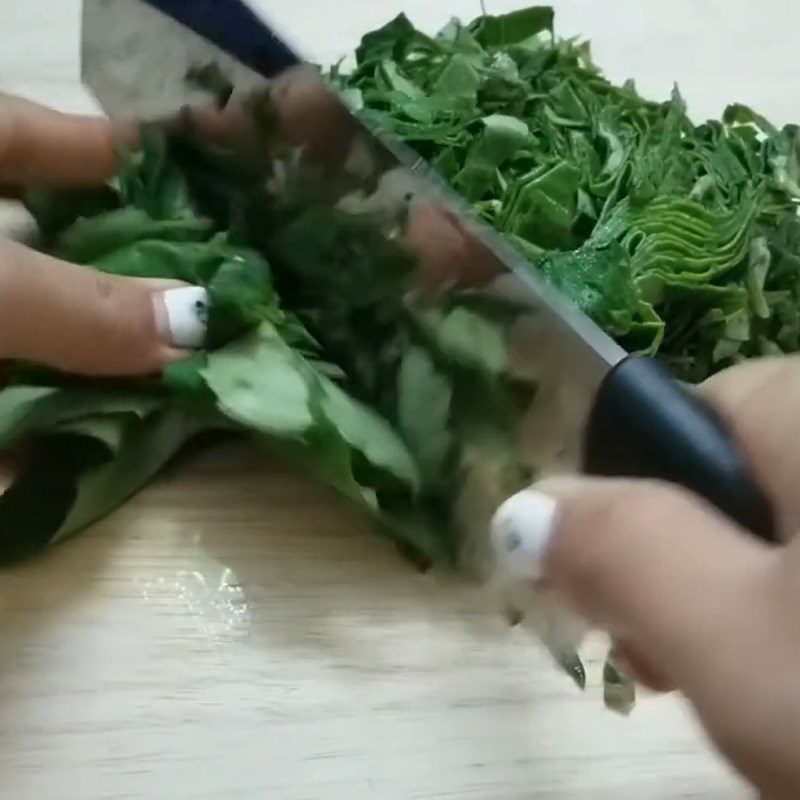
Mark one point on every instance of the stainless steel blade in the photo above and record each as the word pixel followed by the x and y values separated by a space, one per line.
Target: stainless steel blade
pixel 291 130
pixel 136 60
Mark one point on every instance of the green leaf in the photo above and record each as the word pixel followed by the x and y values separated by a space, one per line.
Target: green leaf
pixel 599 279
pixel 369 433
pixel 143 449
pixel 89 451
pixel 241 296
pixel 185 380
pixel 424 397
pixel 514 28
pixel 192 262
pixel 24 409
pixel 468 339
pixel 261 384
pixel 53 472
pixel 91 238
pixel 542 206
pixel 55 210
pixel 382 42
pixel 757 270
pixel 152 182
pixel 502 138
pixel 460 79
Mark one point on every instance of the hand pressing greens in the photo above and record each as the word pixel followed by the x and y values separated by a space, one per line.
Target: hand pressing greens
pixel 312 349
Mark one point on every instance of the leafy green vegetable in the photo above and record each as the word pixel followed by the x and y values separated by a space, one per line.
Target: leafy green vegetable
pixel 26 408
pixel 258 382
pixel 88 452
pixel 141 450
pixel 679 240
pixel 672 236
pixel 502 137
pixel 87 239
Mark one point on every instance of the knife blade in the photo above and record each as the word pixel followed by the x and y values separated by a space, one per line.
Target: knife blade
pixel 216 72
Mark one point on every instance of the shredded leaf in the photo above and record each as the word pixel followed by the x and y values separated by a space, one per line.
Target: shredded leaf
pixel 672 236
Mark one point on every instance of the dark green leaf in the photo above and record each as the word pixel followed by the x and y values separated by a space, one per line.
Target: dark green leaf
pixel 514 28
pixel 94 237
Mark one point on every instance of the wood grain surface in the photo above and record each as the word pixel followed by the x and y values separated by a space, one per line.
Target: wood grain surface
pixel 233 632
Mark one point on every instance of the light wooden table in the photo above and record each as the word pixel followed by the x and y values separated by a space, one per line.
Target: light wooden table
pixel 234 633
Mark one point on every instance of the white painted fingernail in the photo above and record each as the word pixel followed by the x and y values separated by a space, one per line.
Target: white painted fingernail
pixel 182 316
pixel 521 532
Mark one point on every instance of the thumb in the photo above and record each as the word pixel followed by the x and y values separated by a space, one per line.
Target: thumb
pixel 714 609
pixel 79 320
pixel 650 563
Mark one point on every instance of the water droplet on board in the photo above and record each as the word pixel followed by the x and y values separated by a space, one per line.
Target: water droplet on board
pixel 213 597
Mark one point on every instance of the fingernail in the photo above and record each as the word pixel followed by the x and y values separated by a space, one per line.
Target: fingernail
pixel 521 531
pixel 182 316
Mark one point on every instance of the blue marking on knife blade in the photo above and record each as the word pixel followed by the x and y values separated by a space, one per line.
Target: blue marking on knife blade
pixel 235 28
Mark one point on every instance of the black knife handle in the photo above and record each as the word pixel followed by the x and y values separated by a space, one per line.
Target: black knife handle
pixel 234 27
pixel 645 424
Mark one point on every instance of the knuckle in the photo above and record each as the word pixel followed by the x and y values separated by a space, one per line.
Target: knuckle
pixel 125 334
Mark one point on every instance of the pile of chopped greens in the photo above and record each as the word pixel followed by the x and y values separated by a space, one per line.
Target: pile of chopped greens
pixel 681 241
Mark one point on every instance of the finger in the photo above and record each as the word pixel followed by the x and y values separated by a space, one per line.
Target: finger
pixel 640 669
pixel 79 320
pixel 650 563
pixel 712 609
pixel 449 255
pixel 43 147
pixel 760 402
pixel 300 110
pixel 311 116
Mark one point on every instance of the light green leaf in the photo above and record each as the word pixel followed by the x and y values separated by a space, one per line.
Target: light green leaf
pixel 757 269
pixel 366 431
pixel 514 28
pixel 424 397
pixel 24 409
pixel 260 383
pixel 142 450
pixel 501 139
pixel 469 339
pixel 89 239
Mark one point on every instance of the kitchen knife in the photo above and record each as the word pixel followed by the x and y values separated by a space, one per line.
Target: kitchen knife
pixel 243 92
